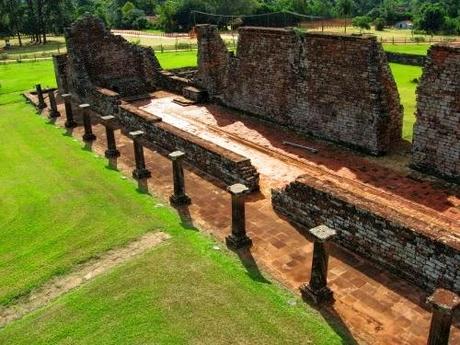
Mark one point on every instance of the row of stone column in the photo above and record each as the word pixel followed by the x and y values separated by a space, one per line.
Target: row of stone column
pixel 316 291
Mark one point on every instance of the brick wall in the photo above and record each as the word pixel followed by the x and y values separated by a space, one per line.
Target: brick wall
pixel 427 256
pixel 336 87
pixel 225 165
pixel 406 59
pixel 109 61
pixel 436 143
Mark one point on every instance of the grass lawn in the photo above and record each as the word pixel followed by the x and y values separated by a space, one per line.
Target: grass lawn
pixel 61 205
pixel 404 76
pixel 416 49
pixel 170 60
pixel 54 215
pixel 15 77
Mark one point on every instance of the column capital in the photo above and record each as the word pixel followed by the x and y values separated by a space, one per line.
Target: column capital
pixel 136 134
pixel 444 301
pixel 176 155
pixel 237 189
pixel 107 118
pixel 322 233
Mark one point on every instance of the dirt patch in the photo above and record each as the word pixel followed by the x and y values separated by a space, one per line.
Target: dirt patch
pixel 81 274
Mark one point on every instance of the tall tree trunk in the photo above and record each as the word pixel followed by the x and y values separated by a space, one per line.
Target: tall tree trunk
pixel 19 38
pixel 41 29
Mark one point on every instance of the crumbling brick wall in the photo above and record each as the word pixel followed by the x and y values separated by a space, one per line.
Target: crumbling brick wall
pixel 436 143
pixel 97 58
pixel 425 255
pixel 335 87
pixel 225 165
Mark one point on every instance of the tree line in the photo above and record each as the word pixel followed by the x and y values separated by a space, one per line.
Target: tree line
pixel 37 18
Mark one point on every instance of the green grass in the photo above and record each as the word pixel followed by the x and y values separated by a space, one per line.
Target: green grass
pixel 183 292
pixel 404 76
pixel 61 205
pixel 16 77
pixel 154 31
pixel 416 49
pixel 170 60
pixel 55 215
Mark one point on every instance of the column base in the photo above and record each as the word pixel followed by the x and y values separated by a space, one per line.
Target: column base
pixel 140 174
pixel 180 200
pixel 54 114
pixel 112 153
pixel 317 297
pixel 238 242
pixel 70 124
pixel 89 137
pixel 41 106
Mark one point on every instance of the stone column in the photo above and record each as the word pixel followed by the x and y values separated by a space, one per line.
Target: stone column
pixel 70 122
pixel 88 136
pixel 53 106
pixel 41 99
pixel 317 291
pixel 179 197
pixel 111 151
pixel 444 303
pixel 238 238
pixel 140 172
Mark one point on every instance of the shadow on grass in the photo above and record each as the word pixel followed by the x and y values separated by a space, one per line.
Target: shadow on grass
pixel 68 132
pixel 250 264
pixel 143 186
pixel 185 217
pixel 112 164
pixel 88 146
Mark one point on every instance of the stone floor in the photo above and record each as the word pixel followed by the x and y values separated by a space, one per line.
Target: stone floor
pixel 373 305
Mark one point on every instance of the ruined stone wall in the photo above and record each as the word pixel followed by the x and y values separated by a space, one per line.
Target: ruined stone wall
pixel 406 59
pixel 335 87
pixel 105 60
pixel 428 259
pixel 436 143
pixel 225 165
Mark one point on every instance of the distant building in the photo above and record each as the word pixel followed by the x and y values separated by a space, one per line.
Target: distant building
pixel 404 24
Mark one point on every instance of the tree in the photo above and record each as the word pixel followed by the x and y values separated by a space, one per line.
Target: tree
pixel 431 18
pixel 362 22
pixel 379 24
pixel 345 8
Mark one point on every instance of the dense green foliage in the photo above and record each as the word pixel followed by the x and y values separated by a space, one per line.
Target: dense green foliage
pixel 39 17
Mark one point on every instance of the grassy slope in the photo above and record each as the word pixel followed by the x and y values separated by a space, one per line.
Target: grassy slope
pixel 416 49
pixel 54 215
pixel 172 60
pixel 404 76
pixel 40 179
pixel 16 77
pixel 183 292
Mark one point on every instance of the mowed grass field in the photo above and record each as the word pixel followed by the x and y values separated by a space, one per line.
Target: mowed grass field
pixel 61 206
pixel 416 49
pixel 404 76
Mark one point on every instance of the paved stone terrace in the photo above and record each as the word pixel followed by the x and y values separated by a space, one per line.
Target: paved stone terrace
pixel 375 306
pixel 417 203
